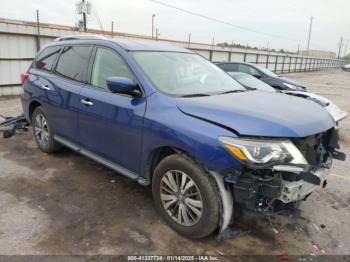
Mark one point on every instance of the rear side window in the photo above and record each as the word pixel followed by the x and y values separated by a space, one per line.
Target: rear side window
pixel 248 70
pixel 229 67
pixel 73 62
pixel 47 58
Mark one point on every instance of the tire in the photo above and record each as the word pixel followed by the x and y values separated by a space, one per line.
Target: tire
pixel 200 202
pixel 43 132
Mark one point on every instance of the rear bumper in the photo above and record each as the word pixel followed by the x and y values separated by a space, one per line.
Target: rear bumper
pixel 25 100
pixel 298 190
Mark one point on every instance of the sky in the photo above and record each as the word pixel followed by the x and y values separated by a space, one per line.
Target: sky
pixel 273 23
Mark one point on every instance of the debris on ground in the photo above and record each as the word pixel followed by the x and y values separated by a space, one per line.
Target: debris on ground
pixel 318 248
pixel 11 124
pixel 316 227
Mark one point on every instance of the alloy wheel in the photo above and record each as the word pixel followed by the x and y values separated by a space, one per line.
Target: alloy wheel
pixel 41 129
pixel 181 198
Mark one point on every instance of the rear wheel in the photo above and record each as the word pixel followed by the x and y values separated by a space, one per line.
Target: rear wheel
pixel 185 196
pixel 42 131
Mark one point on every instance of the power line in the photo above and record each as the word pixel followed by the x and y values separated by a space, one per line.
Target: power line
pixel 221 21
pixel 94 11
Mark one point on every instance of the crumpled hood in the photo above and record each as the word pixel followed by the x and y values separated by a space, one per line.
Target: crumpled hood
pixel 336 112
pixel 257 113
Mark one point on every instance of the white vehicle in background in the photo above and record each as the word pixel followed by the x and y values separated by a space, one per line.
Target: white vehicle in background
pixel 346 67
pixel 253 83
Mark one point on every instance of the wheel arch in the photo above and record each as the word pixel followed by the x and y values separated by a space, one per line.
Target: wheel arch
pixel 33 104
pixel 158 154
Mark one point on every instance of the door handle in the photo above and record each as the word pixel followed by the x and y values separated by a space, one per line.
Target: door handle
pixel 45 87
pixel 86 102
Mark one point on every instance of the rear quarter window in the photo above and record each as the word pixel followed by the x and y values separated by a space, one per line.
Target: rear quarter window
pixel 47 58
pixel 73 62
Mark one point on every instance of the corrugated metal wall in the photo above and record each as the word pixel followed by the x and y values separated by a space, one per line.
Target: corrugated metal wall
pixel 19 43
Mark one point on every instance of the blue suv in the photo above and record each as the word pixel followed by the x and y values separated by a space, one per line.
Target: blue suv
pixel 169 119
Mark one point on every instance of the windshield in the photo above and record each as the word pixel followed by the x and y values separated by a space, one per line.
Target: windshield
pixel 266 71
pixel 252 82
pixel 184 74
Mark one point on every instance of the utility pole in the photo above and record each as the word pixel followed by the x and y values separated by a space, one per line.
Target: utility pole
pixel 308 41
pixel 38 31
pixel 212 43
pixel 84 16
pixel 346 47
pixel 340 44
pixel 153 16
pixel 189 40
pixel 112 29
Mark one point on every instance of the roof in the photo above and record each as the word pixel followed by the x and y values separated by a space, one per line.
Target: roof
pixel 129 45
pixel 227 62
pixel 239 74
pixel 242 63
pixel 148 45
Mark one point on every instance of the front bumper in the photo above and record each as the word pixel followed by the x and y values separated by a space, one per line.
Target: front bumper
pixel 279 189
pixel 298 190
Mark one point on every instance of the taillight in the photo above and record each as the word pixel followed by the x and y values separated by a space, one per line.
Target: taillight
pixel 24 77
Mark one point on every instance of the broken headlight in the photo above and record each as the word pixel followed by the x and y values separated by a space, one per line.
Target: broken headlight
pixel 262 153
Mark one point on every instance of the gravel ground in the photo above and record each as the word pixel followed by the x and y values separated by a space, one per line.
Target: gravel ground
pixel 66 204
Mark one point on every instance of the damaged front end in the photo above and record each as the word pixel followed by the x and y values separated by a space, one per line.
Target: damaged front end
pixel 278 174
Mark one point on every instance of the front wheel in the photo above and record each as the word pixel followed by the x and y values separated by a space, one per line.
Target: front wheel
pixel 185 196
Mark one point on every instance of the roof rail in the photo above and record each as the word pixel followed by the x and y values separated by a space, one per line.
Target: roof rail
pixel 79 37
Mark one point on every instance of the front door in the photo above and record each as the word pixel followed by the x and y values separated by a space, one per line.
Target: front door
pixel 110 125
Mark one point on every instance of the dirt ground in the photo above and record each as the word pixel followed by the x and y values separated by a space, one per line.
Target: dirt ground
pixel 66 204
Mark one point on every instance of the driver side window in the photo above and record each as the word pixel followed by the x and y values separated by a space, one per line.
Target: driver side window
pixel 108 63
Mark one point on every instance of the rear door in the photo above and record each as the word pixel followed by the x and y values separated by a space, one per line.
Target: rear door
pixel 110 125
pixel 39 85
pixel 67 81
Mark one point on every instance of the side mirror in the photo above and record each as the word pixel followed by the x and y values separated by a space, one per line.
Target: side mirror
pixel 123 85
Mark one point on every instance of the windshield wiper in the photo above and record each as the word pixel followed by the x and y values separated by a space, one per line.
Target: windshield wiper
pixel 194 95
